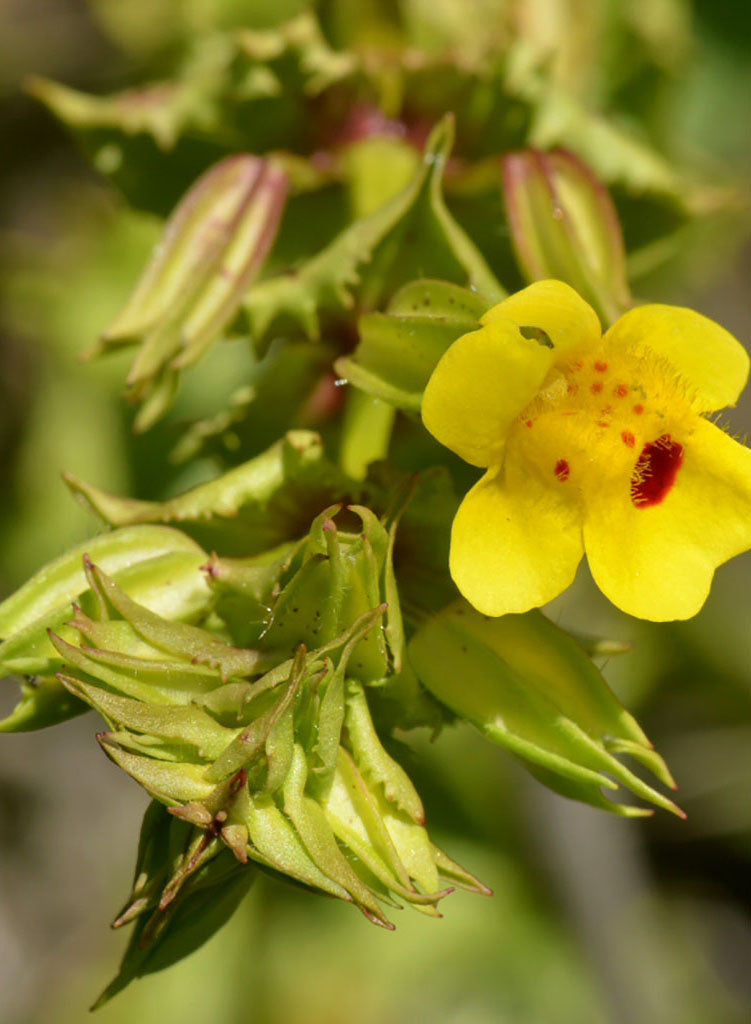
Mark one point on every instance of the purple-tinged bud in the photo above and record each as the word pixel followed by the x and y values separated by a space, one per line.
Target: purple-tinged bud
pixel 213 245
pixel 564 225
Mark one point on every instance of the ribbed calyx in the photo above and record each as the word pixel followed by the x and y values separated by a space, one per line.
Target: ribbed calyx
pixel 262 755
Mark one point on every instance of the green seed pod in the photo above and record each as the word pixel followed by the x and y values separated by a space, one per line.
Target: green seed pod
pixel 156 564
pixel 535 691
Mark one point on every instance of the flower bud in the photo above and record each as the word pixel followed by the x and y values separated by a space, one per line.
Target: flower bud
pixel 564 225
pixel 213 245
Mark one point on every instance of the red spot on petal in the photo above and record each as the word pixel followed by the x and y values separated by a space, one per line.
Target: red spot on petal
pixel 597 386
pixel 638 409
pixel 621 391
pixel 628 438
pixel 578 364
pixel 572 388
pixel 600 366
pixel 603 423
pixel 528 423
pixel 562 470
pixel 655 471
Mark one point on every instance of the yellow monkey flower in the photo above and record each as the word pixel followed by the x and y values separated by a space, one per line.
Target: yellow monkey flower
pixel 593 443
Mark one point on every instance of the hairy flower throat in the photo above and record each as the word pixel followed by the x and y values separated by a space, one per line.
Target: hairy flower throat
pixel 606 419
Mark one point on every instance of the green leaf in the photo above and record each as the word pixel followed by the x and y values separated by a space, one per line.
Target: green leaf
pixel 188 923
pixel 411 235
pixel 300 39
pixel 251 508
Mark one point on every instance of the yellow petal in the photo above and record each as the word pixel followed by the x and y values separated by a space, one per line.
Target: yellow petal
pixel 657 561
pixel 709 359
pixel 554 307
pixel 479 387
pixel 516 541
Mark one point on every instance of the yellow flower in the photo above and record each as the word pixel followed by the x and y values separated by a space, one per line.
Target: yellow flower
pixel 593 443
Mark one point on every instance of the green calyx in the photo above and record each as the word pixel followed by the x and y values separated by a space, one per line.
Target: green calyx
pixel 263 755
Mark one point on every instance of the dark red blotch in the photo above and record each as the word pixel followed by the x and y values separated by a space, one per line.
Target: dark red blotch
pixel 655 471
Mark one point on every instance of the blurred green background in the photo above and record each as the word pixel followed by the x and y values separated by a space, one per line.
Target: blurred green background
pixel 594 919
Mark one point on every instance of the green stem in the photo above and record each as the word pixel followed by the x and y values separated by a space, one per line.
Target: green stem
pixel 366 433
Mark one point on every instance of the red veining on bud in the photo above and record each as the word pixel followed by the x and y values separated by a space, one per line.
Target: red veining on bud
pixel 655 471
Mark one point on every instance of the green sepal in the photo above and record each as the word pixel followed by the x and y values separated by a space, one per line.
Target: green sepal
pixel 330 720
pixel 170 782
pixel 338 582
pixel 331 708
pixel 399 349
pixel 457 875
pixel 250 579
pixel 148 675
pixel 376 765
pixel 440 300
pixel 250 741
pixel 279 749
pixel 564 225
pixel 585 793
pixel 212 247
pixel 179 638
pixel 355 817
pixel 183 726
pixel 275 843
pixel 311 825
